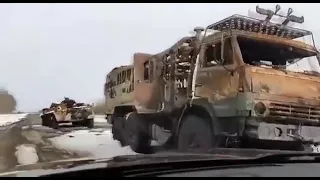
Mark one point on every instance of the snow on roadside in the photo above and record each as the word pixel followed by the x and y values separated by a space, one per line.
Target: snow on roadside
pixel 19 144
pixel 7 119
pixel 26 154
pixel 97 143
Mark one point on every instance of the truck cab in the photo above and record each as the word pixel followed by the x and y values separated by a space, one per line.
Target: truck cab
pixel 254 90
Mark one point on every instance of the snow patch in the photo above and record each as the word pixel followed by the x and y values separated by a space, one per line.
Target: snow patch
pixel 97 143
pixel 26 154
pixel 100 118
pixel 7 119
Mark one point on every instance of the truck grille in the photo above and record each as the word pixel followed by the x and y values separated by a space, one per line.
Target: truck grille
pixel 296 112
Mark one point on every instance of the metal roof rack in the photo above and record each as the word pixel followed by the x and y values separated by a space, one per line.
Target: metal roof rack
pixel 244 23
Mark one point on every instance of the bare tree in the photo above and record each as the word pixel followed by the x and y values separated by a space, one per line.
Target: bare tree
pixel 7 102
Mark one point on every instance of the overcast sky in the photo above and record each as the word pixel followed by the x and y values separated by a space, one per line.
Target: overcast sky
pixel 48 51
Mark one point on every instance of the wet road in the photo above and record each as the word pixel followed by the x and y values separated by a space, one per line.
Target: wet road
pixel 27 142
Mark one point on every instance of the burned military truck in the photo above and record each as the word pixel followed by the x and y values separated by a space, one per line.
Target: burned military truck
pixel 68 111
pixel 232 84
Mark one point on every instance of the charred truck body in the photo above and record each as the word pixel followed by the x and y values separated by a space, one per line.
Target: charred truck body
pixel 118 89
pixel 231 88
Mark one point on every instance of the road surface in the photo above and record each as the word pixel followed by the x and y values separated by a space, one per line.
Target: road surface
pixel 25 141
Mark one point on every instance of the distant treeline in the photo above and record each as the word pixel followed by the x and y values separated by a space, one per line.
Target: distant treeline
pixel 8 103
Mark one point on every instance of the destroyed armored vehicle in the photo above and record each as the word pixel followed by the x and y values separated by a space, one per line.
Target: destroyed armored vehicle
pixel 68 111
pixel 239 82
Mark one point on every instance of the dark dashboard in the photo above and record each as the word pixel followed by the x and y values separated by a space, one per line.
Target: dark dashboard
pixel 271 170
pixel 249 170
pixel 281 164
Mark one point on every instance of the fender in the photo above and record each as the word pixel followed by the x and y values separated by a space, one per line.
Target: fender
pixel 202 108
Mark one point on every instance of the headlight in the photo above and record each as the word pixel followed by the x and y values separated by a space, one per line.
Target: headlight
pixel 260 108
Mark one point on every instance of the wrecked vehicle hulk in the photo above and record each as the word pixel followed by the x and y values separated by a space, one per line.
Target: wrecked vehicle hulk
pixel 233 84
pixel 79 114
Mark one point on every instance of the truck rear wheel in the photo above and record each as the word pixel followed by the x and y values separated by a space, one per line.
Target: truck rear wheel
pixel 195 133
pixel 118 130
pixel 137 134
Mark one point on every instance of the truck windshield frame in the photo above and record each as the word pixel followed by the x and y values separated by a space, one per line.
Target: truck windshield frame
pixel 288 56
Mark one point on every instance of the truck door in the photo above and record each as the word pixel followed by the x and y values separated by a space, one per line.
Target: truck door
pixel 214 79
pixel 145 83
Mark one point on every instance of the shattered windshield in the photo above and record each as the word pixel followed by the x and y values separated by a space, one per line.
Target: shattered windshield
pixel 283 56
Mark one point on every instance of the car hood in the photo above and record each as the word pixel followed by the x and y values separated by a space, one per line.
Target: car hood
pixel 39 169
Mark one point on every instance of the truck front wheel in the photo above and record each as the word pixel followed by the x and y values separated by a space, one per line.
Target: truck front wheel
pixel 137 134
pixel 195 133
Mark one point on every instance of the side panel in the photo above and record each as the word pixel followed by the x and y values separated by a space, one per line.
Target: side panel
pixel 220 87
pixel 220 83
pixel 146 93
pixel 61 114
pixel 119 90
pixel 110 93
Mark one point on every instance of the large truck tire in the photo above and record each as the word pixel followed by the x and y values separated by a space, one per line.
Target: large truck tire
pixel 118 130
pixel 195 133
pixel 137 134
